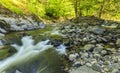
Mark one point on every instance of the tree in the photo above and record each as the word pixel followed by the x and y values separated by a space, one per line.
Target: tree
pixel 101 8
pixel 77 9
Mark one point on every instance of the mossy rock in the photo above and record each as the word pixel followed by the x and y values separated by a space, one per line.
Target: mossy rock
pixel 6 51
pixel 58 37
pixel 4 25
pixel 12 38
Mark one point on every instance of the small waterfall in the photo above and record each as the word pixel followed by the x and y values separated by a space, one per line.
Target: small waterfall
pixel 26 52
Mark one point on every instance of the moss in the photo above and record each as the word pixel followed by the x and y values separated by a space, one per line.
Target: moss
pixel 39 34
pixel 39 31
pixel 6 51
pixel 58 37
pixel 12 38
pixel 4 25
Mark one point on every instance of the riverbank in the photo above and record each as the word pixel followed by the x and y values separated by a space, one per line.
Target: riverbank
pixel 92 44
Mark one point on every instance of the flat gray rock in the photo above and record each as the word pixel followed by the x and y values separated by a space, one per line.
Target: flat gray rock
pixel 83 69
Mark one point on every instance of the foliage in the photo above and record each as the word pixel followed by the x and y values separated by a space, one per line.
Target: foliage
pixel 58 8
pixel 35 7
pixel 9 4
pixel 62 8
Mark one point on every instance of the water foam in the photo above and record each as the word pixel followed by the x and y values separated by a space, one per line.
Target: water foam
pixel 27 52
pixel 24 53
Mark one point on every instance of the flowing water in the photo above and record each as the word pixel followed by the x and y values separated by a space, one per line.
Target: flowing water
pixel 32 56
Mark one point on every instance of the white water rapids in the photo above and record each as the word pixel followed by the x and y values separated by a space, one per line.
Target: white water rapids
pixel 26 52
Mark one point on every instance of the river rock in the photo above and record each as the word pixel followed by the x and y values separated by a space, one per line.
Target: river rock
pixel 2 30
pixel 77 64
pixel 103 52
pixel 83 69
pixel 115 71
pixel 118 42
pixel 96 67
pixel 96 29
pixel 21 23
pixel 89 47
pixel 17 71
pixel 84 55
pixel 72 57
pixel 98 48
pixel 41 25
pixel 1 35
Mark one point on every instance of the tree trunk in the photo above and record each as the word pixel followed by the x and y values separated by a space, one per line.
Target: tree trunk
pixel 77 9
pixel 101 9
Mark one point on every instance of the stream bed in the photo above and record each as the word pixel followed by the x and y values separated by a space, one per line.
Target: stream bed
pixel 82 47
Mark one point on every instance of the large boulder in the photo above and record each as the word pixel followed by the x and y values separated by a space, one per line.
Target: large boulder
pixel 4 27
pixel 20 23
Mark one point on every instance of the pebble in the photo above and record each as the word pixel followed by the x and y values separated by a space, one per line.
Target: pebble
pixel 77 64
pixel 118 42
pixel 98 48
pixel 88 64
pixel 88 47
pixel 84 55
pixel 93 61
pixel 72 57
pixel 96 55
pixel 103 52
pixel 96 67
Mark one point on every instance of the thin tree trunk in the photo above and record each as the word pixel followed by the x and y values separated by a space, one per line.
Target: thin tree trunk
pixel 75 7
pixel 101 9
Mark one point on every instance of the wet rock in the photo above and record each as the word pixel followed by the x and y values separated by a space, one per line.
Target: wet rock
pixel 41 25
pixel 108 37
pixel 2 30
pixel 4 26
pixel 98 48
pixel 103 52
pixel 88 64
pixel 116 58
pixel 96 67
pixel 22 23
pixel 116 71
pixel 1 35
pixel 96 55
pixel 96 29
pixel 93 41
pixel 72 57
pixel 82 62
pixel 118 42
pixel 93 61
pixel 104 39
pixel 84 55
pixel 77 64
pixel 56 43
pixel 83 69
pixel 17 71
pixel 89 47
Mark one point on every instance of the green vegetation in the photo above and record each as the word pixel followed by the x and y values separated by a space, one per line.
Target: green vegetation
pixel 107 9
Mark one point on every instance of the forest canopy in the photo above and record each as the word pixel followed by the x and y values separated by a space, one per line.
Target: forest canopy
pixel 106 9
